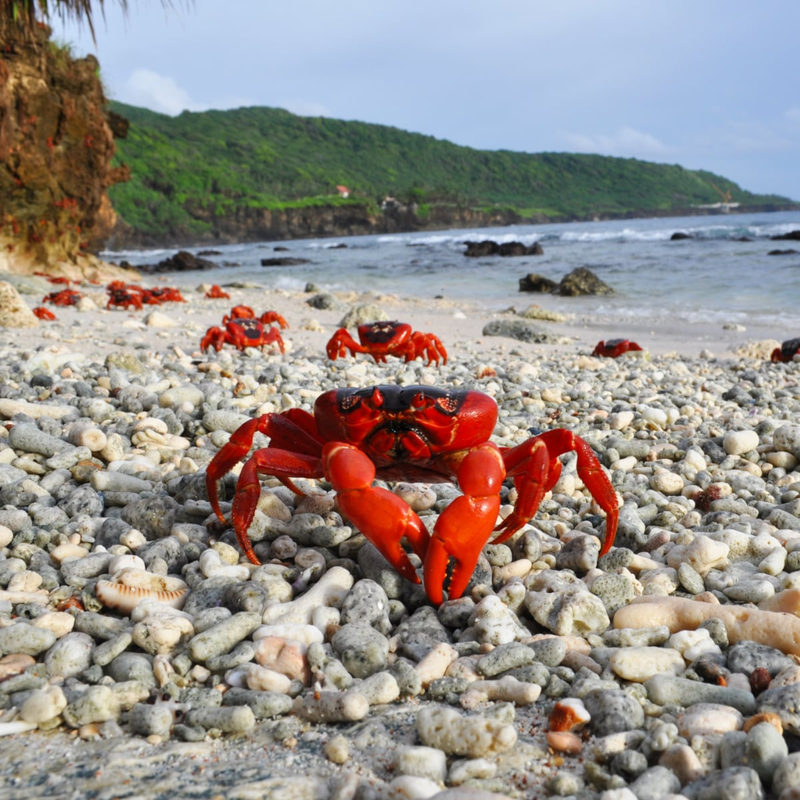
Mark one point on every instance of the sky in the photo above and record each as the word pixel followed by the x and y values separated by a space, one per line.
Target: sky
pixel 707 84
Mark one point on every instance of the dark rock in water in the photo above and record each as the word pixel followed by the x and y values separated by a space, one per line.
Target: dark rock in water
pixel 791 236
pixel 286 261
pixel 677 236
pixel 742 239
pixel 490 248
pixel 582 281
pixel 340 246
pixel 279 248
pixel 182 261
pixel 523 331
pixel 781 252
pixel 533 282
pixel 209 252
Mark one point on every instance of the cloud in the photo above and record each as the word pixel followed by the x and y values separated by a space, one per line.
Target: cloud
pixel 158 93
pixel 626 142
pixel 306 108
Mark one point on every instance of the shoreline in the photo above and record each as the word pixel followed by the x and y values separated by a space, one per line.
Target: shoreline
pixel 456 322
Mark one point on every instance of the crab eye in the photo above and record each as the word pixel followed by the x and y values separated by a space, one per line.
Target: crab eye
pixel 419 400
pixel 377 397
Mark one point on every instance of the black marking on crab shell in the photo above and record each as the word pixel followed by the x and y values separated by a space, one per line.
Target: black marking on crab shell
pixel 614 342
pixel 400 399
pixel 790 347
pixel 380 332
pixel 250 327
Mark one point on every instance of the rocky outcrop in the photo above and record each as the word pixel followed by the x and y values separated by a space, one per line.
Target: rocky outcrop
pixel 533 282
pixel 792 236
pixel 56 146
pixel 582 281
pixel 14 311
pixel 489 248
pixel 284 261
pixel 182 261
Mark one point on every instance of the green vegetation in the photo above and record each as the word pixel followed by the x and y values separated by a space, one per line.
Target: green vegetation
pixel 193 168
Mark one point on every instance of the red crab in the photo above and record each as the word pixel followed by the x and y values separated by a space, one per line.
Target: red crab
pixel 242 333
pixel 43 313
pixel 53 279
pixel 416 433
pixel 125 297
pixel 381 339
pixel 215 293
pixel 162 294
pixel 66 297
pixel 787 351
pixel 245 312
pixel 614 348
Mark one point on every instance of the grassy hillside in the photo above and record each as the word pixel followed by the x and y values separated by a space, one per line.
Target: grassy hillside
pixel 190 169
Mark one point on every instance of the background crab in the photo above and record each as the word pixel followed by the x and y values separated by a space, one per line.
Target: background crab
pixel 387 338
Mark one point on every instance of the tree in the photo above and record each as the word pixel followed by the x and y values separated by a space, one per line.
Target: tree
pixel 19 18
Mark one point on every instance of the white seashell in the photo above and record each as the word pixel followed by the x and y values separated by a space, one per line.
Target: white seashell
pixel 131 586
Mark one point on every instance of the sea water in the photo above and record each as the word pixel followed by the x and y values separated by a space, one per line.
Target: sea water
pixel 722 273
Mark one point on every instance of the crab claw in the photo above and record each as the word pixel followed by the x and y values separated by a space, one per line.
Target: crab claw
pixel 464 527
pixel 379 514
pixel 340 343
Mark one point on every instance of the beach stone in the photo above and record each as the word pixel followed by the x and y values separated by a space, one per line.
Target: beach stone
pixel 639 664
pixel 362 649
pixel 787 437
pixel 151 720
pixel 666 690
pixel 748 656
pixel 734 783
pixel 704 719
pixel 656 782
pixel 737 443
pixel 223 637
pixel 14 311
pixel 564 606
pixel 264 705
pixel 787 776
pixel 367 602
pixel 96 704
pixel 612 711
pixel 70 656
pixel 765 750
pixel 43 705
pixel 475 737
pixel 25 639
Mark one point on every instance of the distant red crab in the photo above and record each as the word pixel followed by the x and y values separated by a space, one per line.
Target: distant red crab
pixel 124 297
pixel 242 333
pixel 387 338
pixel 54 279
pixel 787 351
pixel 216 293
pixel 162 294
pixel 43 313
pixel 614 348
pixel 66 297
pixel 415 433
pixel 245 312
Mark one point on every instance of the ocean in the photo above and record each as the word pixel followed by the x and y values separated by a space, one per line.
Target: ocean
pixel 713 276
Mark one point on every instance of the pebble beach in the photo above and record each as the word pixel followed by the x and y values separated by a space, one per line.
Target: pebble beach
pixel 143 656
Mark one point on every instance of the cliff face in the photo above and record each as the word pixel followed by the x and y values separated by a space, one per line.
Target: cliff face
pixel 258 224
pixel 56 144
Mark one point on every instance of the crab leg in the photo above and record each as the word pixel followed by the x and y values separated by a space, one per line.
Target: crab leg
pixel 379 514
pixel 341 342
pixel 270 461
pixel 535 467
pixel 294 429
pixel 464 527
